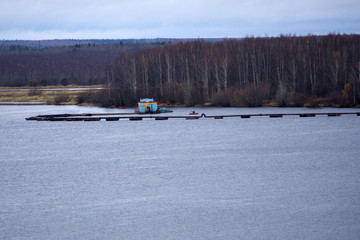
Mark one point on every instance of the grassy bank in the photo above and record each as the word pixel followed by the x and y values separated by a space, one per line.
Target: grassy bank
pixel 57 97
pixel 54 86
pixel 92 96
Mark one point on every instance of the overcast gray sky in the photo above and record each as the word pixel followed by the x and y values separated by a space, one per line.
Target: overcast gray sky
pixel 83 19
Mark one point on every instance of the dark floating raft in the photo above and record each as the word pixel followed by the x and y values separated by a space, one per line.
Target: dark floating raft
pixel 91 117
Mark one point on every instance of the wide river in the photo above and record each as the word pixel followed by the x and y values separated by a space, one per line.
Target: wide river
pixel 258 178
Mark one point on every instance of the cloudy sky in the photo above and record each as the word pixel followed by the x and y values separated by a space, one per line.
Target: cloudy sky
pixel 83 19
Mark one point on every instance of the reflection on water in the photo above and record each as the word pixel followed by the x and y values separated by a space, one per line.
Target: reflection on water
pixel 258 178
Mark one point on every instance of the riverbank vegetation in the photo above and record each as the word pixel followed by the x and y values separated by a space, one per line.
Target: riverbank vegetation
pixel 54 95
pixel 310 71
pixel 276 71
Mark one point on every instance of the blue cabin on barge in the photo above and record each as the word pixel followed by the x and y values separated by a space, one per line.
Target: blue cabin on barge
pixel 147 105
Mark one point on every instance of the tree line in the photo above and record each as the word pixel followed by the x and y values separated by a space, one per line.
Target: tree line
pixel 285 71
pixel 24 63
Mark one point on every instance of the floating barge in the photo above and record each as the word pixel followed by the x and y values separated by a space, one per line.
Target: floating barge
pixel 130 116
pixel 148 105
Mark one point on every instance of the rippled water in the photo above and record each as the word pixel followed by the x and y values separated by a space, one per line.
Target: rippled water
pixel 258 178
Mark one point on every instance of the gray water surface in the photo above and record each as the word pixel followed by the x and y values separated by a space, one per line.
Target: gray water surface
pixel 258 178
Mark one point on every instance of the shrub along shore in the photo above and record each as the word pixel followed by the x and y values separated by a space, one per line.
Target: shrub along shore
pixel 48 95
pixel 92 96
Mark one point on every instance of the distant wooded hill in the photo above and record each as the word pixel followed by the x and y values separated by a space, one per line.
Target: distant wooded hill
pixel 39 44
pixel 53 62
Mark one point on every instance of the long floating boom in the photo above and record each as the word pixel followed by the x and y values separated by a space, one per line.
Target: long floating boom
pixel 118 116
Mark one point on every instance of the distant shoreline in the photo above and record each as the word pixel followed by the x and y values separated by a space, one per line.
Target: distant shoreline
pixel 46 95
pixel 99 86
pixel 22 103
pixel 80 95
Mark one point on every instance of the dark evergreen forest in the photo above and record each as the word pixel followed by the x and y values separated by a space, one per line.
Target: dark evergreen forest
pixel 281 71
pixel 57 62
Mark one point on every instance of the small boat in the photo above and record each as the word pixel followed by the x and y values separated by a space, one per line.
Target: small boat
pixel 165 110
pixel 193 113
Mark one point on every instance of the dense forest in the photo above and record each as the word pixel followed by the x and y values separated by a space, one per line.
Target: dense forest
pixel 282 71
pixel 252 71
pixel 62 62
